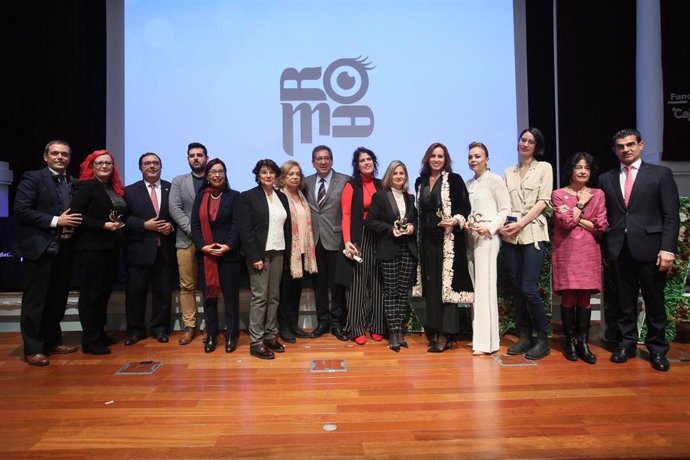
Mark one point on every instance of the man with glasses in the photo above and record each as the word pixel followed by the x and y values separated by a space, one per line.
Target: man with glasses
pixel 323 194
pixel 182 193
pixel 150 252
pixel 45 245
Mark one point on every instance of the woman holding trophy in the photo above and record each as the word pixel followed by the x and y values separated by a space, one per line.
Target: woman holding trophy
pixel 99 197
pixel 490 206
pixel 392 216
pixel 444 279
pixel 358 270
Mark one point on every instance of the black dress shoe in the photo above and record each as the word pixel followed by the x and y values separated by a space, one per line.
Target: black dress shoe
pixel 622 354
pixel 210 345
pixel 659 362
pixel 95 349
pixel 230 344
pixel 261 352
pixel 162 337
pixel 340 334
pixel 274 345
pixel 320 330
pixel 108 340
pixel 131 340
pixel 288 336
pixel 299 332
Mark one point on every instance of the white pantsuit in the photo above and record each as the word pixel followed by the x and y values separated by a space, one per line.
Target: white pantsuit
pixel 490 206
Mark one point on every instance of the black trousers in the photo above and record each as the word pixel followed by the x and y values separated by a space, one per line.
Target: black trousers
pixel 229 273
pixel 290 295
pixel 97 271
pixel 46 288
pixel 330 309
pixel 159 276
pixel 631 276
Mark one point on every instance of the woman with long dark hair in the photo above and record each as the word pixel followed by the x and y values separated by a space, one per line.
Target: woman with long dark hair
pixel 99 198
pixel 214 231
pixel 525 235
pixel 444 278
pixel 359 270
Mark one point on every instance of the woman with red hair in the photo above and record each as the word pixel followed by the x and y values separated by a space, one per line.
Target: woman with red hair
pixel 99 197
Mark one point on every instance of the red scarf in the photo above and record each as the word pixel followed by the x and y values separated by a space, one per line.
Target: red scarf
pixel 207 213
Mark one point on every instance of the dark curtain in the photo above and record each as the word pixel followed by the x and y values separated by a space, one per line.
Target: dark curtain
pixel 596 76
pixel 675 55
pixel 54 67
pixel 540 75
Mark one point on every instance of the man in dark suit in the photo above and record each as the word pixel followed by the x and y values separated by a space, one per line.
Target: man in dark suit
pixel 642 210
pixel 150 252
pixel 44 242
pixel 323 194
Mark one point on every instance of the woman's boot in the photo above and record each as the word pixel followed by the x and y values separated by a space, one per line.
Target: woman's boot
pixel 584 316
pixel 568 319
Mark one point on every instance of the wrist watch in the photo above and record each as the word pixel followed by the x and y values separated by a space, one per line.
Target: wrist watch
pixel 580 206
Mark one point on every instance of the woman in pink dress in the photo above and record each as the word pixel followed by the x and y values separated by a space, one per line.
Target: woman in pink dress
pixel 580 217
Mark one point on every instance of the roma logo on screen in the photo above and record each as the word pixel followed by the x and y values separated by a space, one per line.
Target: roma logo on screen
pixel 334 96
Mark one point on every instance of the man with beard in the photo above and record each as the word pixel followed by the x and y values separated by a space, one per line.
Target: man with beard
pixel 182 193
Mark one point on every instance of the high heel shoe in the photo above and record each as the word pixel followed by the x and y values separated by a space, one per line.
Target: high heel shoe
pixel 210 345
pixel 393 342
pixel 95 349
pixel 401 339
pixel 442 344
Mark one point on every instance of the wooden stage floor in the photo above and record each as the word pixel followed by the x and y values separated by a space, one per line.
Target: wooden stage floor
pixel 382 405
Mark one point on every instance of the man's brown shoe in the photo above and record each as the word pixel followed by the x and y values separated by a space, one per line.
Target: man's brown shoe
pixel 39 359
pixel 62 350
pixel 187 336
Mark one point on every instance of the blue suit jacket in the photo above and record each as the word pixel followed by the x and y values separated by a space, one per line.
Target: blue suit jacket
pixel 35 205
pixel 142 245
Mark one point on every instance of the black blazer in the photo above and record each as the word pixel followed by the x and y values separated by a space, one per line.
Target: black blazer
pixel 651 218
pixel 224 228
pixel 142 245
pixel 35 205
pixel 91 199
pixel 383 212
pixel 253 226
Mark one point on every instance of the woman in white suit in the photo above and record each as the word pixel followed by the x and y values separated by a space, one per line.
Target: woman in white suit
pixel 490 206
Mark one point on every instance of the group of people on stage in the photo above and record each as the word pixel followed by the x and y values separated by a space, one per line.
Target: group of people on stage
pixel 366 242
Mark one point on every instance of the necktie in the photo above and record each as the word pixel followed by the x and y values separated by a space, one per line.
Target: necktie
pixel 154 199
pixel 321 197
pixel 63 191
pixel 628 184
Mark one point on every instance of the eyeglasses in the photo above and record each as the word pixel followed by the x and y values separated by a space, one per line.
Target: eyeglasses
pixel 216 173
pixel 525 141
pixel 151 163
pixel 322 159
pixel 101 164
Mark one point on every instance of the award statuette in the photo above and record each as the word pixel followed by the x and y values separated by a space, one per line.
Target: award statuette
pixel 401 225
pixel 473 219
pixel 116 216
pixel 441 215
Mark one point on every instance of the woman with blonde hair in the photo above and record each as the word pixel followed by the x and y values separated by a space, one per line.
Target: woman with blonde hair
pixel 301 253
pixel 393 218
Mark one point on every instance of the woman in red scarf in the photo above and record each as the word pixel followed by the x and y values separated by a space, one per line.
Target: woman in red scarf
pixel 217 242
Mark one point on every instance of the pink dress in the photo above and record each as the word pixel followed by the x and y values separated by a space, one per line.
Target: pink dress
pixel 576 254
